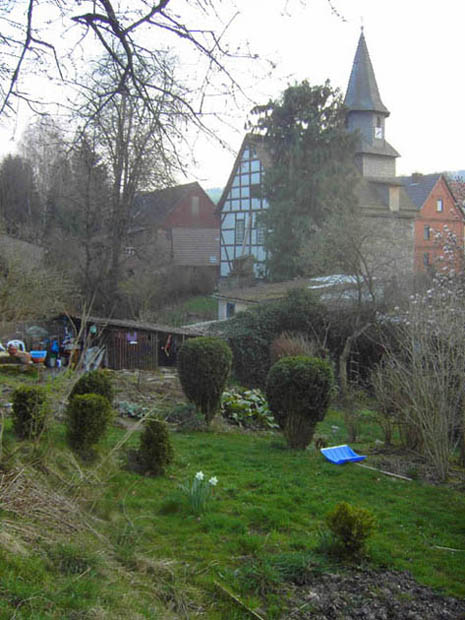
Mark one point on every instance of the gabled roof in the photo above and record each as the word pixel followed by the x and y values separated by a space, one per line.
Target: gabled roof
pixel 362 91
pixel 159 204
pixel 420 186
pixel 249 140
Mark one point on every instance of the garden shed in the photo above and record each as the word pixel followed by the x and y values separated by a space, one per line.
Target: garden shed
pixel 128 344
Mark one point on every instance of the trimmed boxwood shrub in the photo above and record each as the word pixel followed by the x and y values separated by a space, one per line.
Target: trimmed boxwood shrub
pixel 298 391
pixel 29 411
pixel 250 333
pixel 87 420
pixel 155 451
pixel 94 382
pixel 204 365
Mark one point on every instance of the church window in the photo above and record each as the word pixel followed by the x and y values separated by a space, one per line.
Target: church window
pixel 426 259
pixel 195 206
pixel 426 233
pixel 439 205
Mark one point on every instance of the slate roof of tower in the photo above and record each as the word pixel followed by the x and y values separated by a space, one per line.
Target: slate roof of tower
pixel 362 91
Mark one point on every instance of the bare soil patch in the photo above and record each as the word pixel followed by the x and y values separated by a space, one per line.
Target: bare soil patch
pixel 371 595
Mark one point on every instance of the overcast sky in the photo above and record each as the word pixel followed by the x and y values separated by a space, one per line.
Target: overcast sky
pixel 417 52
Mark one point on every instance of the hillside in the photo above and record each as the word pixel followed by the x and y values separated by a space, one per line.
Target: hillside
pixel 98 540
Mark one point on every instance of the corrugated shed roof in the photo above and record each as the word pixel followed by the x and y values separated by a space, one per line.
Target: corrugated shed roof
pixel 136 325
pixel 362 91
pixel 262 291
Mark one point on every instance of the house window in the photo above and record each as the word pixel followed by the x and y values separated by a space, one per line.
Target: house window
pixel 230 309
pixel 240 231
pixel 426 259
pixel 426 233
pixel 439 205
pixel 260 232
pixel 195 205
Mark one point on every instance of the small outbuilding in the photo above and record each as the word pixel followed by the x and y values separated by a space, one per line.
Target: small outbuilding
pixel 127 344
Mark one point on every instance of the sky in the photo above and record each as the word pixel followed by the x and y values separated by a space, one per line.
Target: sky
pixel 416 48
pixel 417 51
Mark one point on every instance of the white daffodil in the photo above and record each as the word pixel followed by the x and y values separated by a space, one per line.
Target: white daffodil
pixel 213 481
pixel 199 475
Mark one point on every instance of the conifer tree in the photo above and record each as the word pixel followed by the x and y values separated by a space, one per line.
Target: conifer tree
pixel 310 174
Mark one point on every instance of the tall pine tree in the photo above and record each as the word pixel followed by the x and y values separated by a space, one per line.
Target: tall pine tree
pixel 310 174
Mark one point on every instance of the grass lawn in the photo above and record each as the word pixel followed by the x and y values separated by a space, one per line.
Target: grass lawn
pixel 134 549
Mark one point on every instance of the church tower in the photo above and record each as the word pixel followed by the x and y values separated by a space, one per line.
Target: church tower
pixel 375 157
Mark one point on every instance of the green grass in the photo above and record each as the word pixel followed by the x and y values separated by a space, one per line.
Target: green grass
pixel 138 551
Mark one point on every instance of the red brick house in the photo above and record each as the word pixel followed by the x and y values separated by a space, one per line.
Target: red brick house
pixel 183 223
pixel 438 216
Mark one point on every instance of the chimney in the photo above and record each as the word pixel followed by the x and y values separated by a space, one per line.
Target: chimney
pixel 394 196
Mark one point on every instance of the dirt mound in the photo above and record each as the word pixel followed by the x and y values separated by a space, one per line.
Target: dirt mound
pixel 372 595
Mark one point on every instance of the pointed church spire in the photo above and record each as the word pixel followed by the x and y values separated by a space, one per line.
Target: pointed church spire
pixel 362 92
pixel 366 114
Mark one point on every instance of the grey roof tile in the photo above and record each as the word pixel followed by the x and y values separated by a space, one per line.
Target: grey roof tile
pixel 362 90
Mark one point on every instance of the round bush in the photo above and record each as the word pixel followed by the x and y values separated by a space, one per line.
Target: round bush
pixel 298 392
pixel 29 411
pixel 94 382
pixel 155 451
pixel 204 365
pixel 87 419
pixel 351 527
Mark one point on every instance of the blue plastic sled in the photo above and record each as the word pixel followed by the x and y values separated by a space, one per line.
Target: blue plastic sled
pixel 341 454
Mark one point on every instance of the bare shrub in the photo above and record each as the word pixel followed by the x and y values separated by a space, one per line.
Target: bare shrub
pixel 421 382
pixel 290 344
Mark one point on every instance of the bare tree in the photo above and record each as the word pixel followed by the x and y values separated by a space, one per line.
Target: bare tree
pixel 127 33
pixel 136 142
pixel 369 257
pixel 27 288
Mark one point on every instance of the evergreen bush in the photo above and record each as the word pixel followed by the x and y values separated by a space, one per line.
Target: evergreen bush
pixel 94 382
pixel 29 411
pixel 155 450
pixel 251 333
pixel 87 419
pixel 298 391
pixel 204 365
pixel 351 526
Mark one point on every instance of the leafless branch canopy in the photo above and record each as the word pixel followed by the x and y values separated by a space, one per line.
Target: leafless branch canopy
pixel 56 39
